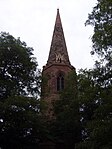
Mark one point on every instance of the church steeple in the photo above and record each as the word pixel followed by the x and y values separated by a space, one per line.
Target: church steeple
pixel 57 68
pixel 58 50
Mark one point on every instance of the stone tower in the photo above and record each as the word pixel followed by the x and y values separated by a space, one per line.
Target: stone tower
pixel 57 67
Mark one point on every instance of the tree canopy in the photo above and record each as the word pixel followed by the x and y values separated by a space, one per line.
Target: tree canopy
pixel 20 123
pixel 18 67
pixel 98 127
pixel 101 19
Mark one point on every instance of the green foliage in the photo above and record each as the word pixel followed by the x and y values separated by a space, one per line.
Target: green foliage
pixel 87 96
pixel 95 109
pixel 18 68
pixel 20 122
pixel 99 126
pixel 101 19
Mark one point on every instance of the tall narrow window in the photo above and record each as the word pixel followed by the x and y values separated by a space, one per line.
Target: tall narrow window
pixel 60 82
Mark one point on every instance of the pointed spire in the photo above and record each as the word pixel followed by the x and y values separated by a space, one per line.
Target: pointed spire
pixel 58 50
pixel 58 19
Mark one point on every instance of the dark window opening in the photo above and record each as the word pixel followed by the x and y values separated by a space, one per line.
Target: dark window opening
pixel 60 82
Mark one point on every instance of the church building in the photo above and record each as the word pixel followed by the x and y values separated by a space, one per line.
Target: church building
pixel 57 67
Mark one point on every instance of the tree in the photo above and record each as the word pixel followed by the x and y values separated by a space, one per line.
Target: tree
pixel 20 122
pixel 101 19
pixel 18 68
pixel 99 126
pixel 97 120
pixel 87 96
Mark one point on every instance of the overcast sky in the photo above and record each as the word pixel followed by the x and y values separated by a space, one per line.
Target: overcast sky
pixel 33 21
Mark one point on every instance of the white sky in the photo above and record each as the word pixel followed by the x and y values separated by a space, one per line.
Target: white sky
pixel 33 21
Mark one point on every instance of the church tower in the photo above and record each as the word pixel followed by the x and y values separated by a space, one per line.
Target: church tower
pixel 57 67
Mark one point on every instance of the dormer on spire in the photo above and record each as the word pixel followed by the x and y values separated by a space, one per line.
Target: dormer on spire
pixel 58 50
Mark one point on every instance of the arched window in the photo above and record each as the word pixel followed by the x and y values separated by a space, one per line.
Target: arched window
pixel 60 82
